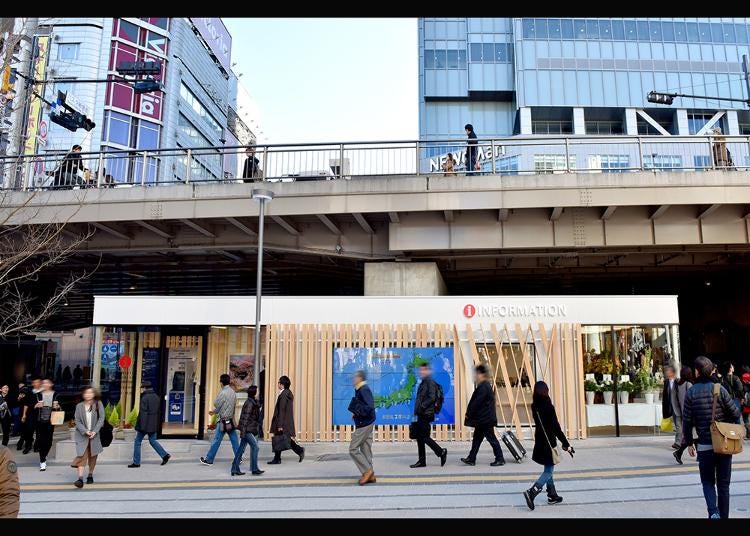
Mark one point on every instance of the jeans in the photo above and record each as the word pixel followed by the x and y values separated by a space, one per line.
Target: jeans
pixel 218 436
pixel 247 439
pixel 425 427
pixel 545 477
pixel 481 433
pixel 151 441
pixel 716 473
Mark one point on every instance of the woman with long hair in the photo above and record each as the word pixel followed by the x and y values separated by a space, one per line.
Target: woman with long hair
pixel 547 432
pixel 678 402
pixel 89 419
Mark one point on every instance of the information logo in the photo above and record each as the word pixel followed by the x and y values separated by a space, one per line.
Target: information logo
pixel 469 310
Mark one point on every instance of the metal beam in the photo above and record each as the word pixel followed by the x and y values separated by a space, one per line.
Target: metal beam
pixel 394 217
pixel 448 215
pixel 228 255
pixel 502 214
pixel 709 210
pixel 196 227
pixel 325 220
pixel 711 122
pixel 153 229
pixel 241 226
pixel 556 213
pixel 659 212
pixel 288 227
pixel 113 232
pixel 363 223
pixel 653 122
pixel 607 214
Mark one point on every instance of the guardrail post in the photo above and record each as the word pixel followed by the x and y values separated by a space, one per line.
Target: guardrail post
pixel 567 155
pixel 341 161
pixel 418 161
pixel 642 164
pixel 492 155
pixel 100 171
pixel 27 178
pixel 711 151
pixel 264 174
pixel 143 168
pixel 189 165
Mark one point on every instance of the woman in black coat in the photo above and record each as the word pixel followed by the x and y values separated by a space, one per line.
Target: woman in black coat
pixel 282 422
pixel 481 415
pixel 547 432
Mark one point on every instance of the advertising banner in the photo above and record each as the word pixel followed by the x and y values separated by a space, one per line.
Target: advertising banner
pixel 241 371
pixel 393 376
pixel 217 37
pixel 41 48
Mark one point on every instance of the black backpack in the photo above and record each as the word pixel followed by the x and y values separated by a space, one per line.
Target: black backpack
pixel 438 398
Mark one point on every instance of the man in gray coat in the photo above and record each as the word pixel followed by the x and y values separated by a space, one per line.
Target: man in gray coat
pixel 147 425
pixel 224 406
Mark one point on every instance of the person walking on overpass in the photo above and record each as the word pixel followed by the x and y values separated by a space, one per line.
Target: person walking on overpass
pixel 482 416
pixel 547 432
pixel 362 407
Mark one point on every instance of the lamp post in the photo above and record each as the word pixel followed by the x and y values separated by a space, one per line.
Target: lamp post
pixel 262 197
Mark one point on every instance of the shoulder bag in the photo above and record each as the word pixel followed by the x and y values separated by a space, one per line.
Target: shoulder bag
pixel 555 452
pixel 226 425
pixel 105 433
pixel 726 437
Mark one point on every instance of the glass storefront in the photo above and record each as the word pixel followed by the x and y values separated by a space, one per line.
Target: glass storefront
pixel 623 370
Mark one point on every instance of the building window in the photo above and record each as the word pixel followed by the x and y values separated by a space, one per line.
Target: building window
pixel 551 127
pixel 190 98
pixel 490 53
pixel 613 163
pixel 68 51
pixel 701 162
pixel 551 163
pixel 128 31
pixel 156 42
pixel 159 22
pixel 604 128
pixel 697 121
pixel 647 129
pixel 507 165
pixel 662 161
pixel 117 128
pixel 148 135
pixel 745 129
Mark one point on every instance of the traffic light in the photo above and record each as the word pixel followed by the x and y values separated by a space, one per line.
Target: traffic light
pixel 660 98
pixel 147 86
pixel 73 121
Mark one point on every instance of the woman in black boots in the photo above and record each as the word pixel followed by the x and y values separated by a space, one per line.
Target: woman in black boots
pixel 545 453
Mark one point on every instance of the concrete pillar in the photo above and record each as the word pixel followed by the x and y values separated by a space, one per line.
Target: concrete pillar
pixel 579 123
pixel 403 279
pixel 733 124
pixel 631 122
pixel 525 121
pixel 96 373
pixel 681 117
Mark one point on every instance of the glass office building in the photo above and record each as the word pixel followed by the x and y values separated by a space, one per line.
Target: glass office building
pixel 582 77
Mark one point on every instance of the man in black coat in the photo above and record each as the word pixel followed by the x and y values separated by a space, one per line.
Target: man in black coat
pixel 670 384
pixel 424 409
pixel 362 407
pixel 147 425
pixel 481 415
pixel 251 168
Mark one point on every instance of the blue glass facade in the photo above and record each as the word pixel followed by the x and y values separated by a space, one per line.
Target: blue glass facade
pixel 551 76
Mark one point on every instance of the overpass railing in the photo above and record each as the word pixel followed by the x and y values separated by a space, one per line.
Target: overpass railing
pixel 330 161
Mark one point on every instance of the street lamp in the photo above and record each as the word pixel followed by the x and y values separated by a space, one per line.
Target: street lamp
pixel 262 197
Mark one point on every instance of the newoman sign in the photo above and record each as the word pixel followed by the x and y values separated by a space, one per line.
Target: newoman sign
pixel 485 153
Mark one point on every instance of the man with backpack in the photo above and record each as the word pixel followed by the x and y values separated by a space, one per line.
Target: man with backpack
pixel 429 402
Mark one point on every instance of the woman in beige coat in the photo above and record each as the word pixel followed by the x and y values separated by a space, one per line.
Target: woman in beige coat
pixel 89 419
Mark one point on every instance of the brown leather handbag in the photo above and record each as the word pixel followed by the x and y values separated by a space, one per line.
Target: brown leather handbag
pixel 726 437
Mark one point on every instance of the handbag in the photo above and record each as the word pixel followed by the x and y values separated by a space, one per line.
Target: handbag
pixel 281 442
pixel 105 432
pixel 667 425
pixel 227 425
pixel 726 437
pixel 56 418
pixel 555 452
pixel 413 430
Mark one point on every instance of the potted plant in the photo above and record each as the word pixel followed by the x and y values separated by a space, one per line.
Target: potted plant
pixel 649 394
pixel 591 388
pixel 114 420
pixel 129 426
pixel 625 388
pixel 606 388
pixel 72 429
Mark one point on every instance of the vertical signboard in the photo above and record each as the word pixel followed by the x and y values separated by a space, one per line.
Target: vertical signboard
pixel 39 70
pixel 217 37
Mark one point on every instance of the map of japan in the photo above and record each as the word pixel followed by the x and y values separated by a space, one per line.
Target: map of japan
pixel 393 376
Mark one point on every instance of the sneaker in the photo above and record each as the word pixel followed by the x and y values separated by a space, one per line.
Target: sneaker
pixel 165 459
pixel 134 465
pixel 714 516
pixel 43 466
pixel 89 479
pixel 78 483
pixel 204 461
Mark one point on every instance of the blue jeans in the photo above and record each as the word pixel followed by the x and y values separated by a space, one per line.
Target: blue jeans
pixel 151 441
pixel 716 474
pixel 218 436
pixel 545 477
pixel 247 439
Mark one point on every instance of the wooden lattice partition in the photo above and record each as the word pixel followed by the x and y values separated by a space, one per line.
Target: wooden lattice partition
pixel 304 352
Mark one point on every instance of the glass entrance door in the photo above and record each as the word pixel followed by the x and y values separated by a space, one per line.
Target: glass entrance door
pixel 182 384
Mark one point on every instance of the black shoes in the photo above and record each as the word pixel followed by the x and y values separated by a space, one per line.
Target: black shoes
pixel 420 463
pixel 675 446
pixel 134 465
pixel 677 457
pixel 78 483
pixel 468 461
pixel 204 461
pixel 302 455
pixel 26 450
pixel 19 446
pixel 443 457
pixel 498 462
pixel 552 496
pixel 89 479
pixel 237 473
pixel 258 472
pixel 275 462
pixel 165 459
pixel 530 494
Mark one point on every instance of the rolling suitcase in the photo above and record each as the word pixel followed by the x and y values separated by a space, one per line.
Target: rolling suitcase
pixel 513 445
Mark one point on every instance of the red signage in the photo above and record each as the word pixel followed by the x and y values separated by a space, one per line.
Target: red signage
pixel 469 310
pixel 125 362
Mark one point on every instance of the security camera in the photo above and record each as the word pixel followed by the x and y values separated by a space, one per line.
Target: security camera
pixel 339 249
